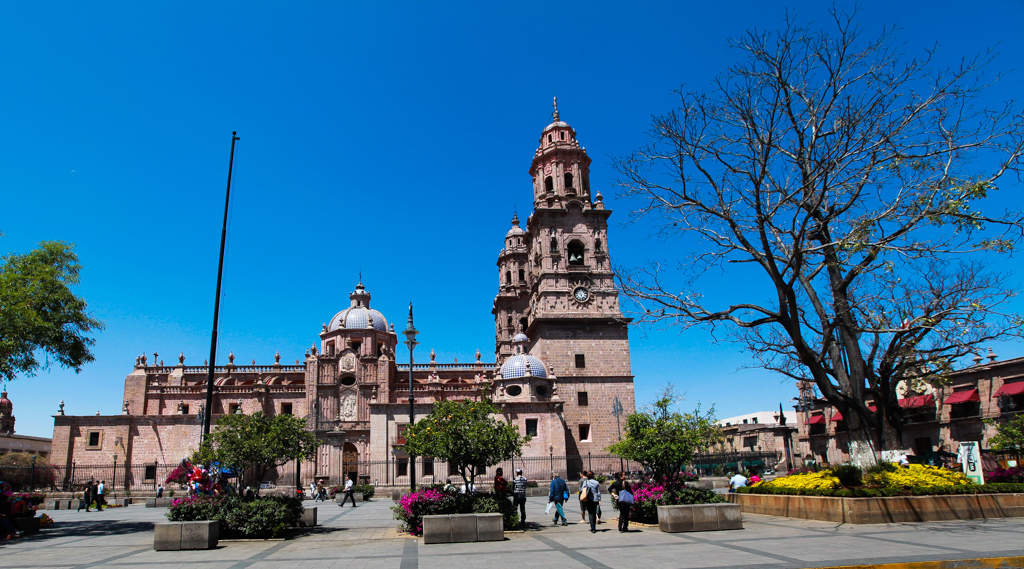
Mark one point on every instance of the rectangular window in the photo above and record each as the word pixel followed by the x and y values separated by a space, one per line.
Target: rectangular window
pixel 531 427
pixel 428 466
pixel 403 467
pixel 150 472
pixel 581 361
pixel 584 433
pixel 286 408
pixel 582 399
pixel 184 409
pixel 750 442
pixel 233 408
pixel 94 440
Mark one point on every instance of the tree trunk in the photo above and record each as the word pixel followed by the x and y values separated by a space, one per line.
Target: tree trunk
pixel 863 453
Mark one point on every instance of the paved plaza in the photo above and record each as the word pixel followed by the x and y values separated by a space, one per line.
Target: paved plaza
pixel 365 537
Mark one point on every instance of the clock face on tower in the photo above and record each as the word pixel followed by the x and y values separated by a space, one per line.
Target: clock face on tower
pixel 581 294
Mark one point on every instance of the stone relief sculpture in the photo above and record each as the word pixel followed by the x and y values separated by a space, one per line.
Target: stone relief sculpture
pixel 348 362
pixel 347 412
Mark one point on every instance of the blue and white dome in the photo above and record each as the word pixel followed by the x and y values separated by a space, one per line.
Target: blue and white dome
pixel 516 366
pixel 359 314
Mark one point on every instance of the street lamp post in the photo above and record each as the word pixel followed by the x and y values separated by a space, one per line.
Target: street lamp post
pixel 617 411
pixel 410 334
pixel 551 454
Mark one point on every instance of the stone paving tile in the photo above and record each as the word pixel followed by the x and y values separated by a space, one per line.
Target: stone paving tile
pixel 366 538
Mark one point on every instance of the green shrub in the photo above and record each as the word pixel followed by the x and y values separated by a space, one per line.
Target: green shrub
pixel 873 471
pixel 267 516
pixel 848 475
pixel 366 490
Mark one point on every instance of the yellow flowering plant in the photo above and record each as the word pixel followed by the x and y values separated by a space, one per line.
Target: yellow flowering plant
pixel 919 475
pixel 811 480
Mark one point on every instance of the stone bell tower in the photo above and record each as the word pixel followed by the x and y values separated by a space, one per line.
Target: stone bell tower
pixel 557 287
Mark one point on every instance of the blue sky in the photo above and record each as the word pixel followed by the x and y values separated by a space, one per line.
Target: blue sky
pixel 385 137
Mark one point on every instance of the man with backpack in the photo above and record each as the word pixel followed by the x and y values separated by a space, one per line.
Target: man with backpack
pixel 519 496
pixel 623 492
pixel 558 493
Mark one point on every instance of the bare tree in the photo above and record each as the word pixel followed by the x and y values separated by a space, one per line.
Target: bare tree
pixel 846 174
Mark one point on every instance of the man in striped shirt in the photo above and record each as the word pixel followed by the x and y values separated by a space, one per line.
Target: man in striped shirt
pixel 519 495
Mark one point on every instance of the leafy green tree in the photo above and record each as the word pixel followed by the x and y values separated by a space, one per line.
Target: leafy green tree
pixel 1010 435
pixel 256 443
pixel 664 440
pixel 39 312
pixel 465 434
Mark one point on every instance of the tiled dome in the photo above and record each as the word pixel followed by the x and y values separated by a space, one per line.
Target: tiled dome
pixel 516 366
pixel 356 317
pixel 359 313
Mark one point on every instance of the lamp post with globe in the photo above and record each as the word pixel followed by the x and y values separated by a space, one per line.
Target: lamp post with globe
pixel 410 334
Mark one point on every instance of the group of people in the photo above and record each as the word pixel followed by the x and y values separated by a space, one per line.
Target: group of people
pixel 319 491
pixel 10 508
pixel 93 492
pixel 589 495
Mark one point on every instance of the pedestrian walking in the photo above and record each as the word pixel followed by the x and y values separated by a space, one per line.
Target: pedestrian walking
pixel 623 493
pixel 590 497
pixel 313 489
pixel 160 491
pixel 349 489
pixel 101 490
pixel 519 495
pixel 86 500
pixel 579 494
pixel 317 491
pixel 558 493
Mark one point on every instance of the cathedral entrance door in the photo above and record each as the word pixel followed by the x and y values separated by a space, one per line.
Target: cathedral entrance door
pixel 350 461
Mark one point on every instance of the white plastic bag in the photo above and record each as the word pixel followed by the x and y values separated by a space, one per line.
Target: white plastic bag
pixel 548 509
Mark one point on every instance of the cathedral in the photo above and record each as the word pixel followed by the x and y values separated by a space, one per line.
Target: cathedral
pixel 561 360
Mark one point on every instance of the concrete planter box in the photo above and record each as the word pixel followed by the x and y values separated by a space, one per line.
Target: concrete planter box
pixel 699 517
pixel 180 536
pixel 122 502
pixel 60 504
pixel 340 497
pixel 463 528
pixel 897 509
pixel 158 502
pixel 308 518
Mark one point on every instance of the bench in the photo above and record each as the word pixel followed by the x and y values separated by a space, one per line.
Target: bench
pixel 462 528
pixel 158 502
pixel 699 517
pixel 180 536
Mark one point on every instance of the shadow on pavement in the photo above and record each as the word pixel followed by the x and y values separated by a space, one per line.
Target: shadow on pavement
pixel 85 529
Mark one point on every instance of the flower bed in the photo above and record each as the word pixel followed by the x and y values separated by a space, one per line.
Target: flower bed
pixel 437 500
pixel 35 498
pixel 648 495
pixel 1015 474
pixel 263 517
pixel 884 480
pixel 994 488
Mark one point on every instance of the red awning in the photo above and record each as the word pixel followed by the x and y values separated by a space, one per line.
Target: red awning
pixel 837 416
pixel 1011 389
pixel 964 396
pixel 816 420
pixel 917 401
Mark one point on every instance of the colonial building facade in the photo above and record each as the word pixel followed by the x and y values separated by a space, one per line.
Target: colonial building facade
pixel 561 357
pixel 969 406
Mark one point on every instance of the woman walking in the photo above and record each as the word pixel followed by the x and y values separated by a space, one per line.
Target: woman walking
pixel 590 497
pixel 623 493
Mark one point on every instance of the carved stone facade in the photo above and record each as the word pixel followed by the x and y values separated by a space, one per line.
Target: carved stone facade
pixel 561 346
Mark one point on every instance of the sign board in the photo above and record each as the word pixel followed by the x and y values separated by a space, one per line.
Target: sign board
pixel 969 456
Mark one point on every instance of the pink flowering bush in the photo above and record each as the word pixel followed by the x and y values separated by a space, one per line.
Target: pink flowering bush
pixel 648 495
pixel 439 501
pixel 1015 474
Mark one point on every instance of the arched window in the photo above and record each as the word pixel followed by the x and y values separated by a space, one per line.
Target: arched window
pixel 508 277
pixel 524 323
pixel 568 181
pixel 549 184
pixel 554 244
pixel 575 253
pixel 561 136
pixel 509 321
pixel 549 138
pixel 522 276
